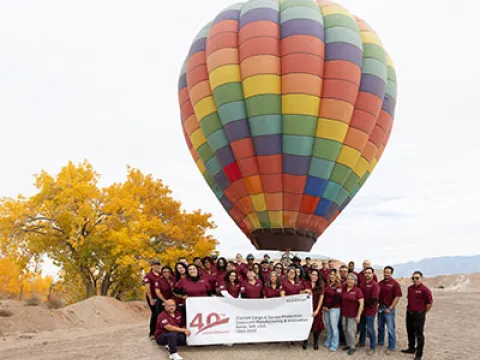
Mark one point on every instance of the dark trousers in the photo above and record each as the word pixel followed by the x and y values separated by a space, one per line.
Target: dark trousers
pixel 153 318
pixel 172 339
pixel 415 326
pixel 341 333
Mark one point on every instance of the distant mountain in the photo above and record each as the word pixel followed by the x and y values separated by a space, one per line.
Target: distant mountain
pixel 445 265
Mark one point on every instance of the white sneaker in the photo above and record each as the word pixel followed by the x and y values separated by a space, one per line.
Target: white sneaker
pixel 175 356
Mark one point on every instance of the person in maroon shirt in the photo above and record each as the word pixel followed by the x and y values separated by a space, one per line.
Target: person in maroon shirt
pixel 315 284
pixel 230 287
pixel 258 271
pixel 198 262
pixel 351 268
pixel 149 281
pixel 265 271
pixel 279 271
pixel 164 288
pixel 343 271
pixel 308 266
pixel 208 272
pixel 390 295
pixel 170 331
pixel 273 286
pixel 352 308
pixel 221 272
pixel 214 259
pixel 331 310
pixel 325 271
pixel 292 285
pixel 420 302
pixel 252 287
pixel 371 293
pixel 361 274
pixel 180 275
pixel 240 266
pixel 193 285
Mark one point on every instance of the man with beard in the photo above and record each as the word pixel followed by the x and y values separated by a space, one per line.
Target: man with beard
pixel 390 295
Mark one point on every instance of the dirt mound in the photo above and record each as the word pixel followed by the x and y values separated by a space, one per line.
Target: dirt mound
pixel 96 312
pixel 450 283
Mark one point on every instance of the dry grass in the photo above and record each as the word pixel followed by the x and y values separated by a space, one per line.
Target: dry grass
pixel 55 303
pixel 33 301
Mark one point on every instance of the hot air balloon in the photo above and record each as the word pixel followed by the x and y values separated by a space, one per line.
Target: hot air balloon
pixel 286 107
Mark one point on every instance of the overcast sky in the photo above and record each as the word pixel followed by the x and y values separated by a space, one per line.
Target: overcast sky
pixel 97 80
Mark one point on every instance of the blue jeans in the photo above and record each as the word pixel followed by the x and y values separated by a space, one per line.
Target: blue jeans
pixel 367 326
pixel 331 319
pixel 389 320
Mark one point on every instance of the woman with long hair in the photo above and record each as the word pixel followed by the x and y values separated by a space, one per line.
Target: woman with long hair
pixel 273 286
pixel 192 285
pixel 292 285
pixel 230 287
pixel 180 275
pixel 316 285
pixel 331 309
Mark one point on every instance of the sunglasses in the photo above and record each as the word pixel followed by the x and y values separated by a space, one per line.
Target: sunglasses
pixel 415 277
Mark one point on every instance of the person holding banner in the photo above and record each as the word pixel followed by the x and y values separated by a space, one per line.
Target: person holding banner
pixel 316 286
pixel 192 286
pixel 169 330
pixel 352 308
pixel 252 288
pixel 331 310
pixel 230 288
pixel 273 286
pixel 292 285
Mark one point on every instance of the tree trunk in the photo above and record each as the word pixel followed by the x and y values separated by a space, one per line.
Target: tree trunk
pixel 105 285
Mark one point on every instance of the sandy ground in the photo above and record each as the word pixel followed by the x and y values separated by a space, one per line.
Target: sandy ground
pixel 452 332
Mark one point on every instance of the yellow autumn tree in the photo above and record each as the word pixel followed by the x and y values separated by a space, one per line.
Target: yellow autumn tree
pixel 103 236
pixel 18 283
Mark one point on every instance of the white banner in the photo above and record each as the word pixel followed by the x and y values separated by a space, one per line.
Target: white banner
pixel 217 320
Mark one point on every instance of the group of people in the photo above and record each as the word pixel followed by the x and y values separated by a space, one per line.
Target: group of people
pixel 345 302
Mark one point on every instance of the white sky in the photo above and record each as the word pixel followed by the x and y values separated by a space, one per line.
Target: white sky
pixel 97 80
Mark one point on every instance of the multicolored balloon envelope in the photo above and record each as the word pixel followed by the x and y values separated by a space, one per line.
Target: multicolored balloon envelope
pixel 286 106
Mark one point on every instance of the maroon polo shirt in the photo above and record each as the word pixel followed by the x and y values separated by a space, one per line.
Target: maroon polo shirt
pixel 211 277
pixel 270 292
pixel 350 301
pixel 292 289
pixel 265 274
pixel 151 279
pixel 332 297
pixel 165 319
pixel 418 298
pixel 241 269
pixel 194 289
pixel 307 269
pixel 325 273
pixel 233 290
pixel 165 287
pixel 371 290
pixel 254 291
pixel 389 290
pixel 361 277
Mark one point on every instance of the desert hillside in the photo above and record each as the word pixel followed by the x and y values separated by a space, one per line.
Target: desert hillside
pixel 104 328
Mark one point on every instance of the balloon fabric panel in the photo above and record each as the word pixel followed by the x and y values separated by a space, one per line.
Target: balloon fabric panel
pixel 286 107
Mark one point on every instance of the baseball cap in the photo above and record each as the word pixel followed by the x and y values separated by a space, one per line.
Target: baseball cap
pixel 250 256
pixel 155 262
